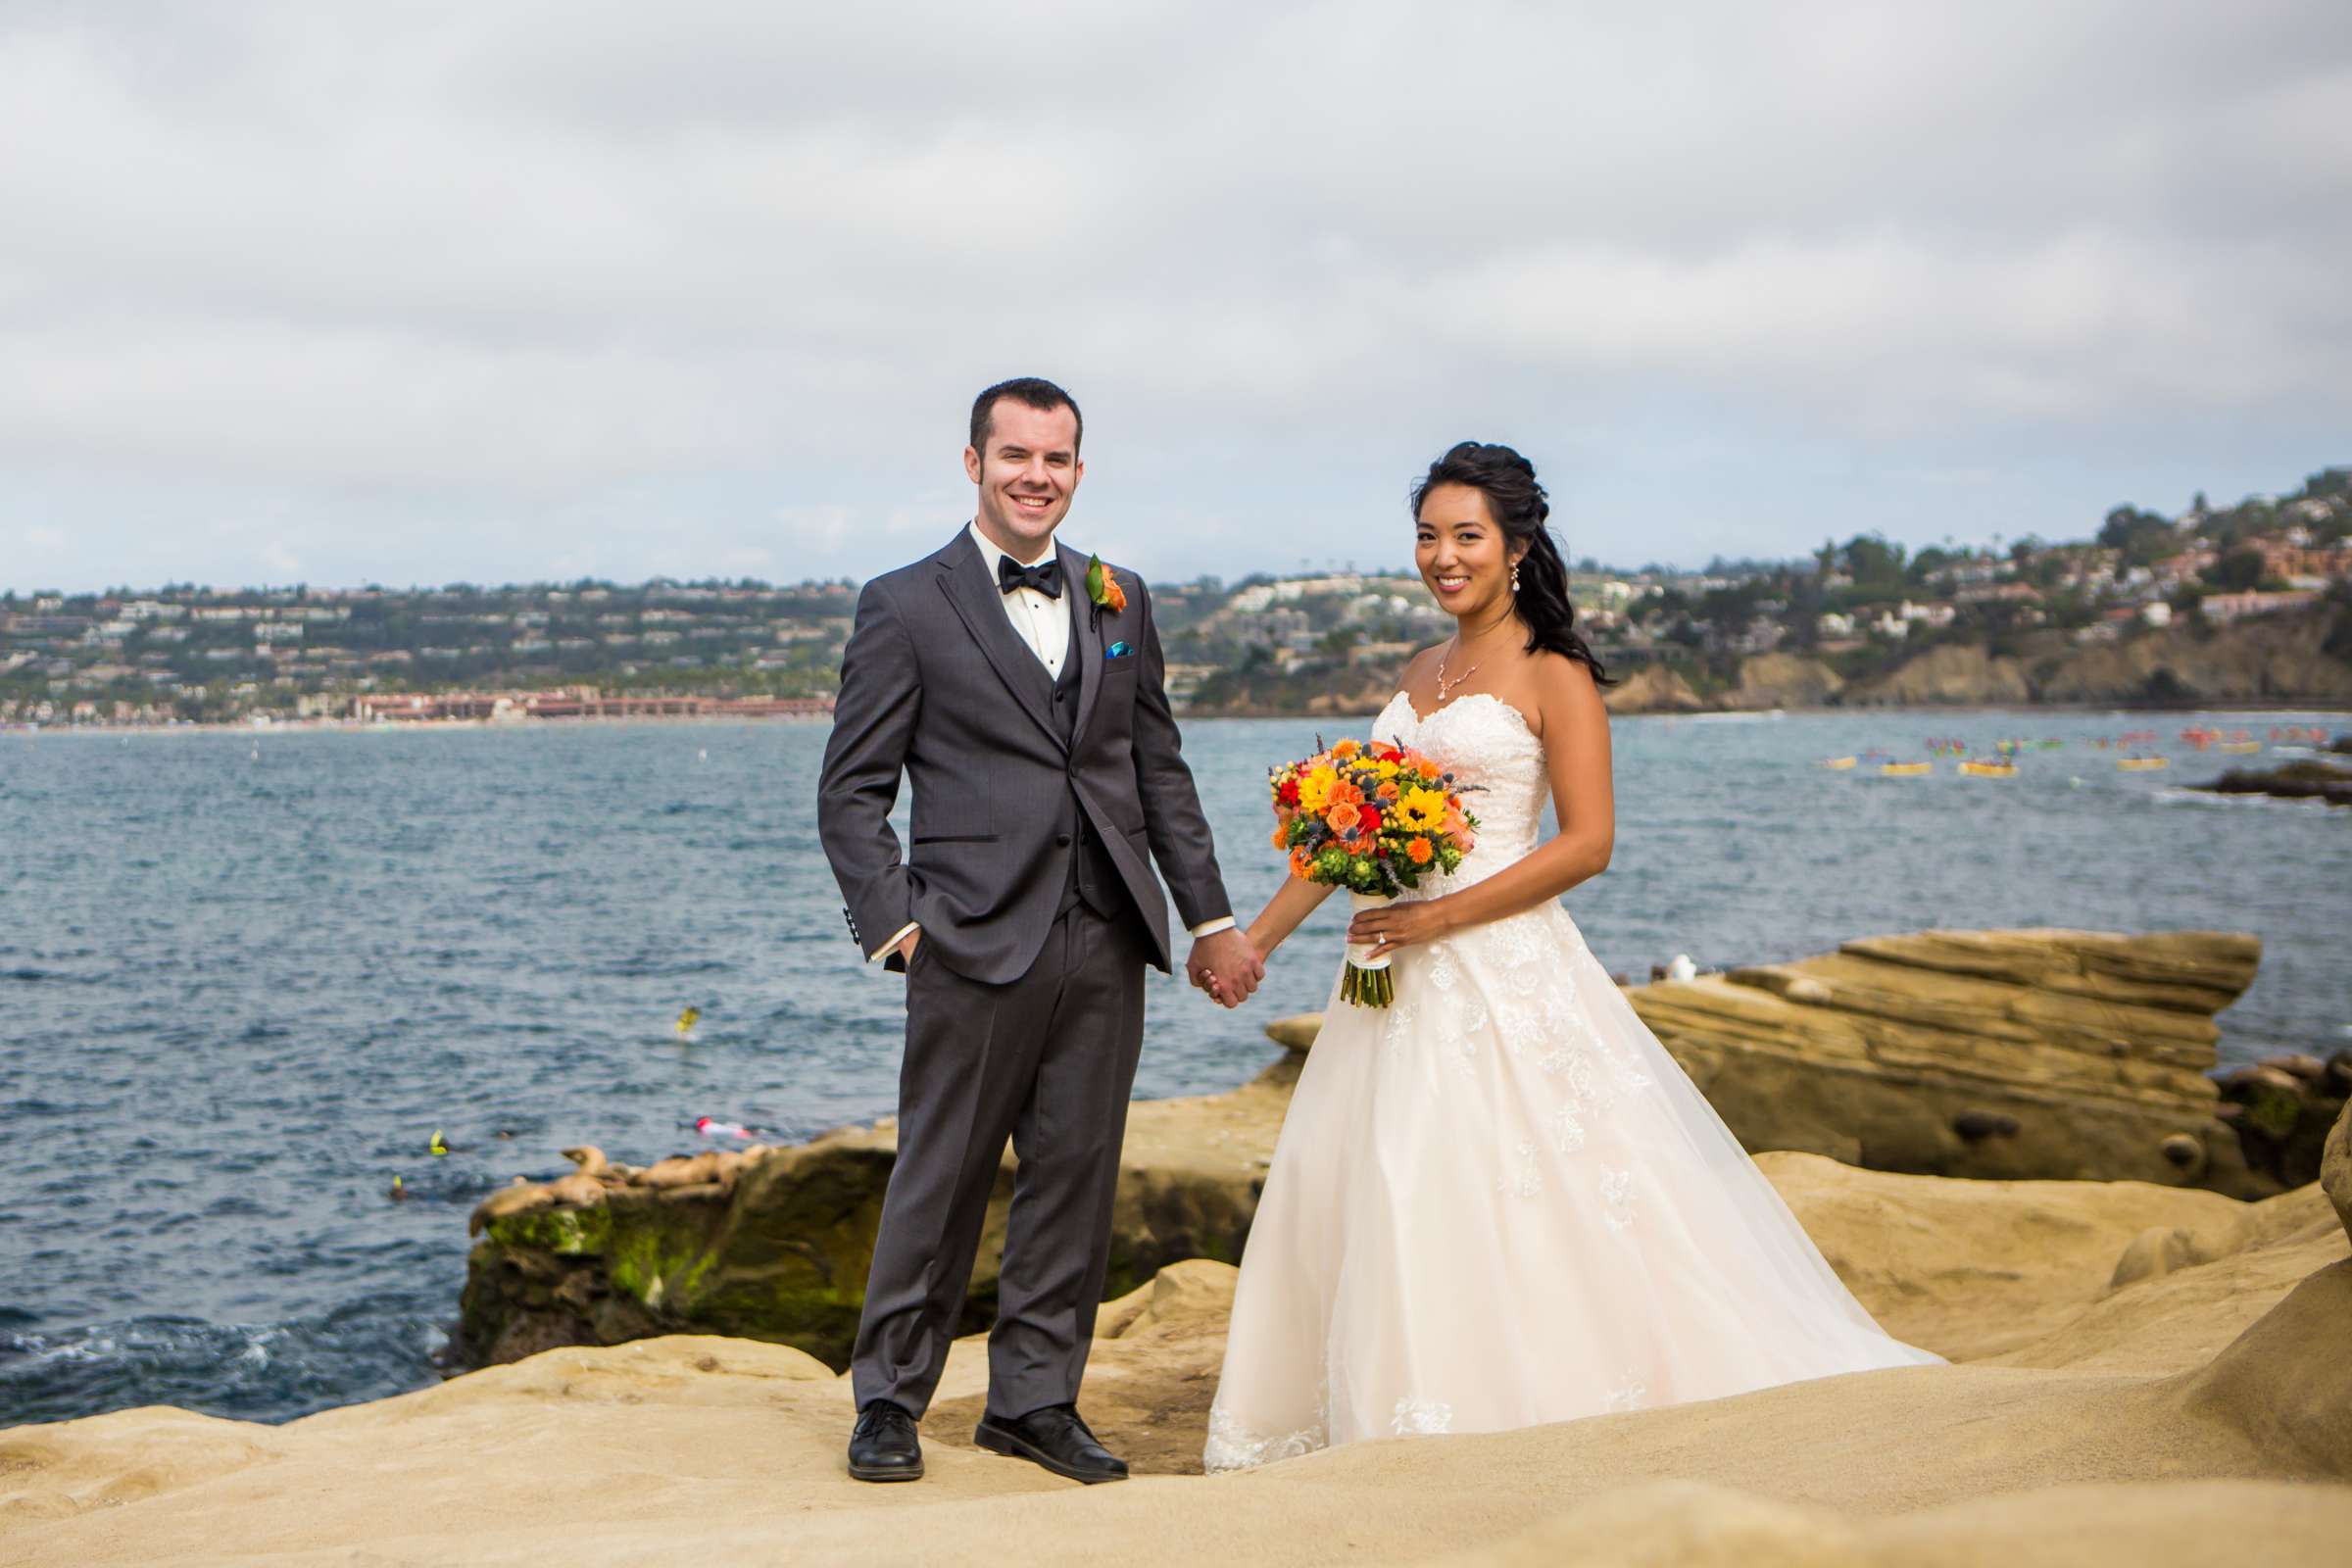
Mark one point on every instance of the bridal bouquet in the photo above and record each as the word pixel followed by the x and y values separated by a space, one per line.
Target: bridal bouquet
pixel 1374 819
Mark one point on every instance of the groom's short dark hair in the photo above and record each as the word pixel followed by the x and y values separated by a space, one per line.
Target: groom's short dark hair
pixel 1036 391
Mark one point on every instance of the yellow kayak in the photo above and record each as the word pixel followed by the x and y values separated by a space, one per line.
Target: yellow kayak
pixel 1837 764
pixel 1988 769
pixel 2143 765
pixel 1905 769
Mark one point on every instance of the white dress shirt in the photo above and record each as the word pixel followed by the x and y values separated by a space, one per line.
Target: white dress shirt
pixel 1042 623
pixel 1042 626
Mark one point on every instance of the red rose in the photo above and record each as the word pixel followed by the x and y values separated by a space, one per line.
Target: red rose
pixel 1289 792
pixel 1367 819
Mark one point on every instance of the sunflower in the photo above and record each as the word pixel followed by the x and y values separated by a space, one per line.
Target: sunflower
pixel 1422 811
pixel 1314 790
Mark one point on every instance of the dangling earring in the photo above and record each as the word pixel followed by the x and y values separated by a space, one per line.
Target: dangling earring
pixel 1514 577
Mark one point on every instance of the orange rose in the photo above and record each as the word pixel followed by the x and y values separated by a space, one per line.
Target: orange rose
pixel 1342 817
pixel 1388 792
pixel 1114 597
pixel 1346 794
pixel 1418 852
pixel 1344 749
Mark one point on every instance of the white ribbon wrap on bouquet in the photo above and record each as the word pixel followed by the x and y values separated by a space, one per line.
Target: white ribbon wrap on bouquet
pixel 1359 954
pixel 1365 981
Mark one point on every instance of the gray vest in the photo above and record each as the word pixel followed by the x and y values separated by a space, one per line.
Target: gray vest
pixel 1094 878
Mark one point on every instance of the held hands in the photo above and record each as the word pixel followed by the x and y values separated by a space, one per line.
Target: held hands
pixel 1399 925
pixel 1226 966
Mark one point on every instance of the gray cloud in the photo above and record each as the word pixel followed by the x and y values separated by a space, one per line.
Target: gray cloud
pixel 497 290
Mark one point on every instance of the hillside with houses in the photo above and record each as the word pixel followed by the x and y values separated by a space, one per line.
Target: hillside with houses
pixel 2250 602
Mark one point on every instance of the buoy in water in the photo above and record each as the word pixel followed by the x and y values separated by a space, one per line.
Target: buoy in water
pixel 688 1019
pixel 712 1127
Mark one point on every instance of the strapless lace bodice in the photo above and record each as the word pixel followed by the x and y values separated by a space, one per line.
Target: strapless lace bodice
pixel 1493 752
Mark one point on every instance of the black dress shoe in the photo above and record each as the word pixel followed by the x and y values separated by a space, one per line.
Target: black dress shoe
pixel 1055 1438
pixel 884 1447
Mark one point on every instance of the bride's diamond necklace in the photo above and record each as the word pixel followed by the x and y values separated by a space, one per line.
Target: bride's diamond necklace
pixel 1443 683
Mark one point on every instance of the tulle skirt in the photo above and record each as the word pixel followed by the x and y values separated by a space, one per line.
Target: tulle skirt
pixel 1499 1203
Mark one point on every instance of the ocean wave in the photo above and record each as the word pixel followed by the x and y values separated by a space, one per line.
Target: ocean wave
pixel 2183 795
pixel 243 1371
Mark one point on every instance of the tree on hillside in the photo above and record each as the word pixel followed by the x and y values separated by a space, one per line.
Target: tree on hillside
pixel 1870 558
pixel 2141 536
pixel 1928 563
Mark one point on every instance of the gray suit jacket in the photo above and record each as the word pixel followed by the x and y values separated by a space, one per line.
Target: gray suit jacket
pixel 990 773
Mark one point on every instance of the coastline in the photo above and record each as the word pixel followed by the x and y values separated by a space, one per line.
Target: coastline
pixel 1880 709
pixel 309 726
pixel 349 726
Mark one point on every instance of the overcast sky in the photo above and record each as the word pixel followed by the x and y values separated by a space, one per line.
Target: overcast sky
pixel 416 293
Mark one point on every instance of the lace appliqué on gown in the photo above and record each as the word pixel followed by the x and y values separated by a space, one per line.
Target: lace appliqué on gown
pixel 1421 1418
pixel 1230 1446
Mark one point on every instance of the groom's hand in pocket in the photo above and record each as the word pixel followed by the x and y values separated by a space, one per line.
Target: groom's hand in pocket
pixel 1226 966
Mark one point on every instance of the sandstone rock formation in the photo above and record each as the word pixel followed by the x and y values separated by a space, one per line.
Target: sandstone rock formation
pixel 1654 689
pixel 2003 1054
pixel 1990 1054
pixel 2335 1169
pixel 776 1242
pixel 2283 1107
pixel 2270 658
pixel 2179 1418
pixel 1783 680
pixel 1953 672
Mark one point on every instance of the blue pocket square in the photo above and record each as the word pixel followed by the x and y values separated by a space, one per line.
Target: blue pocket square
pixel 1119 650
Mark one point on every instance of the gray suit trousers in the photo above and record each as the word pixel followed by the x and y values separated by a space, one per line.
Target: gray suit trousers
pixel 1048 1060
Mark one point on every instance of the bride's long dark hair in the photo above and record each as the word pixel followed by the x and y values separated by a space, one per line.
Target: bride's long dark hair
pixel 1508 482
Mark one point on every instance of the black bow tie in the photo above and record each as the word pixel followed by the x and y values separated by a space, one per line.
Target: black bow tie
pixel 1045 576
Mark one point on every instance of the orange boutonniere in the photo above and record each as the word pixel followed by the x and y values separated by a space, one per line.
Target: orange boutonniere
pixel 1103 588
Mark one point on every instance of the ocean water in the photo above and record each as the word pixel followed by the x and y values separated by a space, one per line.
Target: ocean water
pixel 245 978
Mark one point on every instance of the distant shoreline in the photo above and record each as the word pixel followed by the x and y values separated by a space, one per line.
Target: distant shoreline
pixel 344 726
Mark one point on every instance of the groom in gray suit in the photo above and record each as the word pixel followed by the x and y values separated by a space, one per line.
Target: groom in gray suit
pixel 1022 697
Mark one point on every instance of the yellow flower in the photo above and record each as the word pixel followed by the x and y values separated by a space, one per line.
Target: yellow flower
pixel 1314 790
pixel 1422 811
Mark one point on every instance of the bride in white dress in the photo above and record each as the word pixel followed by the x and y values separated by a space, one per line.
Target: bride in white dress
pixel 1498 1201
